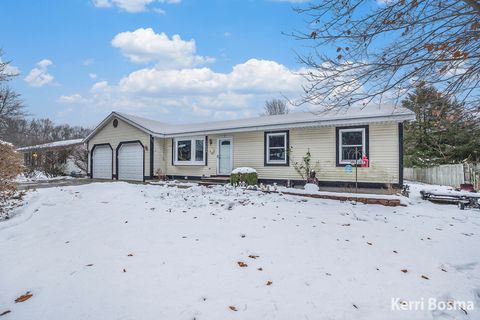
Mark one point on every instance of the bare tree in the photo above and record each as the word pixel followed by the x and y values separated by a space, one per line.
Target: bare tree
pixel 275 106
pixel 371 50
pixel 4 74
pixel 11 105
pixel 80 158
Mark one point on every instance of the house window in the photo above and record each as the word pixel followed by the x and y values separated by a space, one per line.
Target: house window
pixel 276 148
pixel 189 151
pixel 351 144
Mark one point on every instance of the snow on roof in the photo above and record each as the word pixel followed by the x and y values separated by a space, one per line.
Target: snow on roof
pixel 6 143
pixel 56 144
pixel 366 114
pixel 284 119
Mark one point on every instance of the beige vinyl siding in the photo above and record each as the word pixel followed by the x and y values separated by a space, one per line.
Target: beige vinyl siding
pixel 248 151
pixel 123 132
pixel 160 157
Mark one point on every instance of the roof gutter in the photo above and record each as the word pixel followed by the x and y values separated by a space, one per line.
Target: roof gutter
pixel 304 124
pixel 309 124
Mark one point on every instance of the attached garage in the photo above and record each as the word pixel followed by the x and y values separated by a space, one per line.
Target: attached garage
pixel 102 161
pixel 130 161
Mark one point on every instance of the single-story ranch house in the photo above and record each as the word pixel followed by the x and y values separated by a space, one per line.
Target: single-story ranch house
pixel 127 147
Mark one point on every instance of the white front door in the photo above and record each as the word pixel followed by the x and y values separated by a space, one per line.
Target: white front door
pixel 225 156
pixel 130 161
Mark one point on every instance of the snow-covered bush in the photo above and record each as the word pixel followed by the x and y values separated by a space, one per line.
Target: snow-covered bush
pixel 10 167
pixel 311 187
pixel 245 175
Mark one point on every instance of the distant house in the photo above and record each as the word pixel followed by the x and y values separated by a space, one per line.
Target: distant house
pixel 54 157
pixel 127 147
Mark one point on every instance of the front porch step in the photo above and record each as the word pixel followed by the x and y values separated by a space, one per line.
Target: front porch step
pixel 215 180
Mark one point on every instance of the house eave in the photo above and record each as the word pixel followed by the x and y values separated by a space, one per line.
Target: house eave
pixel 291 125
pixel 309 124
pixel 108 118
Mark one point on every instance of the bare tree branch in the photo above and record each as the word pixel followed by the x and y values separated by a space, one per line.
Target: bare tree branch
pixel 365 51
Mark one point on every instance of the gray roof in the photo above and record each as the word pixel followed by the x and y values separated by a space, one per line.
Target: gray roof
pixel 296 119
pixel 56 144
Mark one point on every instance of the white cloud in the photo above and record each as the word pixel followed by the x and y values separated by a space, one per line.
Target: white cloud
pixel 195 94
pixel 132 6
pixel 292 1
pixel 88 61
pixel 253 76
pixel 102 3
pixel 144 46
pixel 159 11
pixel 70 99
pixel 99 86
pixel 39 76
pixel 92 75
pixel 10 70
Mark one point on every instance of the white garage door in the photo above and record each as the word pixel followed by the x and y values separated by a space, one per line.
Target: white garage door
pixel 130 161
pixel 102 162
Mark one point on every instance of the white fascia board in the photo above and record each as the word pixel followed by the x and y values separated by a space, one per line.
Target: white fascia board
pixel 321 123
pixel 107 119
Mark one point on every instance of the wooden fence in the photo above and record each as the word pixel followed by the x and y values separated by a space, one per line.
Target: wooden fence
pixel 448 174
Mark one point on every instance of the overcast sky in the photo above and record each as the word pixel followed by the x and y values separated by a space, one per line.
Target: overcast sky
pixel 171 60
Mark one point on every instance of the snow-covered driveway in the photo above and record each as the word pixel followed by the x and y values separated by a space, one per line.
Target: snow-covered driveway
pixel 125 251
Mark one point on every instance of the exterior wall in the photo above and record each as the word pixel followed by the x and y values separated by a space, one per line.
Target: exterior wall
pixel 159 160
pixel 248 151
pixel 123 132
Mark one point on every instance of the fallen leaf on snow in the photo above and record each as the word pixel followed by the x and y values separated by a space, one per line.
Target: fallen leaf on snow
pixel 404 270
pixel 253 256
pixel 24 297
pixel 233 308
pixel 260 269
pixel 269 283
pixel 242 264
pixel 130 255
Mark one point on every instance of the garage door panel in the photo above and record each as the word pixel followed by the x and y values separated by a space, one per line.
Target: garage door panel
pixel 131 161
pixel 102 162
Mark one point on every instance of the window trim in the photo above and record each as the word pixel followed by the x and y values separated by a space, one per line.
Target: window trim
pixel 192 161
pixel 266 148
pixel 338 147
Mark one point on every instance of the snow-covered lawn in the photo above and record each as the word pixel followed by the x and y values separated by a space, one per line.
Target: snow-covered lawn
pixel 127 251
pixel 38 176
